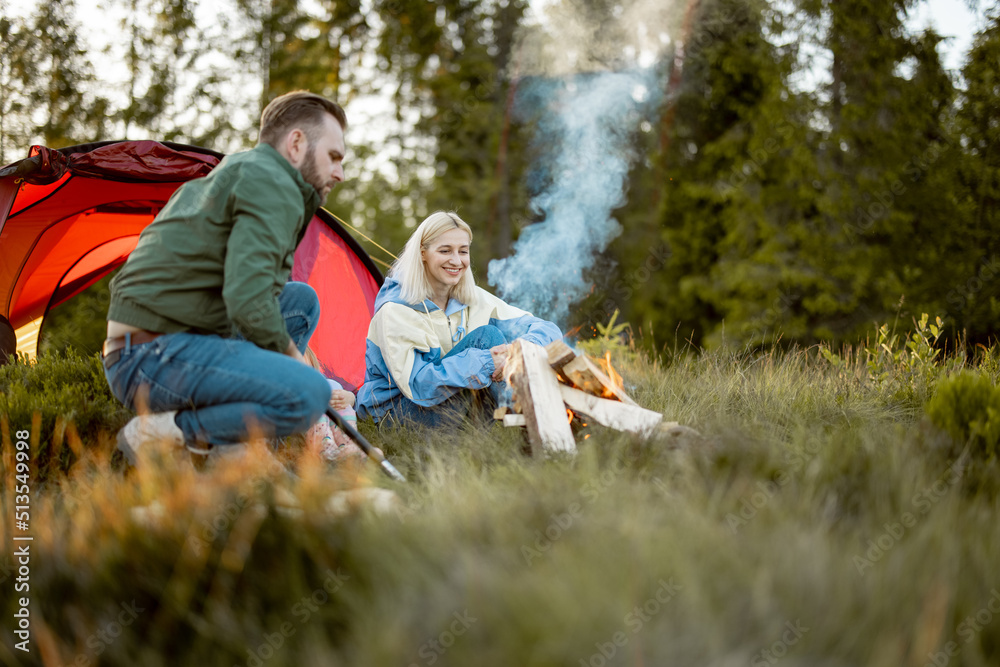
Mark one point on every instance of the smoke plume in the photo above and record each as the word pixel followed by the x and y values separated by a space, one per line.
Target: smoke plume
pixel 590 82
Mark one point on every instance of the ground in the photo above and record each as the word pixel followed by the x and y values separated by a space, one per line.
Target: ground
pixel 824 519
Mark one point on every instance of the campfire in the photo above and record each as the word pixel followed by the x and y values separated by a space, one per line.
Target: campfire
pixel 553 385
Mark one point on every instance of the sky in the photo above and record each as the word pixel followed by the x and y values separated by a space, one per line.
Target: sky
pixel 951 18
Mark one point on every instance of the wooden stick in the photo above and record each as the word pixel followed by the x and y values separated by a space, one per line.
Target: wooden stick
pixel 560 354
pixel 514 420
pixel 585 375
pixel 611 413
pixel 536 389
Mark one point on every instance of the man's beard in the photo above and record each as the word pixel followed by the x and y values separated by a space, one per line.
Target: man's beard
pixel 311 174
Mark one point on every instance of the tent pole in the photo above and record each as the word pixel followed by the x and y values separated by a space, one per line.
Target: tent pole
pixel 372 452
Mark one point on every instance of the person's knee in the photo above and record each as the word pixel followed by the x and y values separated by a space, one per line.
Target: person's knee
pixel 310 399
pixel 300 310
pixel 318 397
pixel 490 336
pixel 300 298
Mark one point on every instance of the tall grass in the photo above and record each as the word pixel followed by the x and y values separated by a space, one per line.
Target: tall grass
pixel 820 520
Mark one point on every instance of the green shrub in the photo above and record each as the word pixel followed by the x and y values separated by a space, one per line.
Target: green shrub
pixel 909 370
pixel 967 407
pixel 987 361
pixel 70 397
pixel 613 338
pixel 80 323
pixel 902 370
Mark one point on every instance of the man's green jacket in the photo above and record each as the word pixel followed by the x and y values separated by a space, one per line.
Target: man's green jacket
pixel 218 255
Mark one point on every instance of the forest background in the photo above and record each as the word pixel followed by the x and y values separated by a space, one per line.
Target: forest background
pixel 755 208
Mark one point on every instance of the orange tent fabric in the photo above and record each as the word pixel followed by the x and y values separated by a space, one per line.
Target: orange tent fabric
pixel 68 217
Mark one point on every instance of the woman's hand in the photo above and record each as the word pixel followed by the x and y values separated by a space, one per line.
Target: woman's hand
pixel 341 399
pixel 499 354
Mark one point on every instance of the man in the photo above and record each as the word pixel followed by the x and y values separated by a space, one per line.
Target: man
pixel 202 328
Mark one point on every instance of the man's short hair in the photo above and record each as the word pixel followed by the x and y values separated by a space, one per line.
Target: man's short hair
pixel 297 109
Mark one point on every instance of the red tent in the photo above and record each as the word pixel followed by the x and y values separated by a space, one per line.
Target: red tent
pixel 68 217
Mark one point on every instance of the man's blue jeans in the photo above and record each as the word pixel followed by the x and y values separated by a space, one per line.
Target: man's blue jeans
pixel 466 402
pixel 222 388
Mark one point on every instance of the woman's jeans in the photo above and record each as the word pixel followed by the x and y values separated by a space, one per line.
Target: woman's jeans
pixel 224 389
pixel 467 402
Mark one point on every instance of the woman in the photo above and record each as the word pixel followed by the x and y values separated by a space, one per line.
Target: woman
pixel 436 338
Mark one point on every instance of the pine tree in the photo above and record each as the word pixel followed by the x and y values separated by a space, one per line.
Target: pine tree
pixel 974 298
pixel 737 207
pixel 452 61
pixel 796 217
pixel 890 158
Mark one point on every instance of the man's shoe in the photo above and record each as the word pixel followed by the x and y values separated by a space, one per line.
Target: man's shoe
pixel 145 431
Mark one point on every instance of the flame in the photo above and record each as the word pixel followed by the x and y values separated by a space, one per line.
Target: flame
pixel 613 375
pixel 569 415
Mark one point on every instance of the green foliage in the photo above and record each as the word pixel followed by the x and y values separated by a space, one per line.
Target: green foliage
pixel 611 338
pixel 57 78
pixel 894 370
pixel 908 370
pixel 161 47
pixel 975 298
pixel 452 60
pixel 967 406
pixel 57 392
pixel 987 360
pixel 80 323
pixel 795 217
pixel 741 247
pixel 14 34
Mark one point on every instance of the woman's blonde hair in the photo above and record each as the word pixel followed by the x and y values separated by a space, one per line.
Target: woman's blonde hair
pixel 409 270
pixel 312 359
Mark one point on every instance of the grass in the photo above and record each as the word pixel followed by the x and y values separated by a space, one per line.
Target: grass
pixel 821 521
